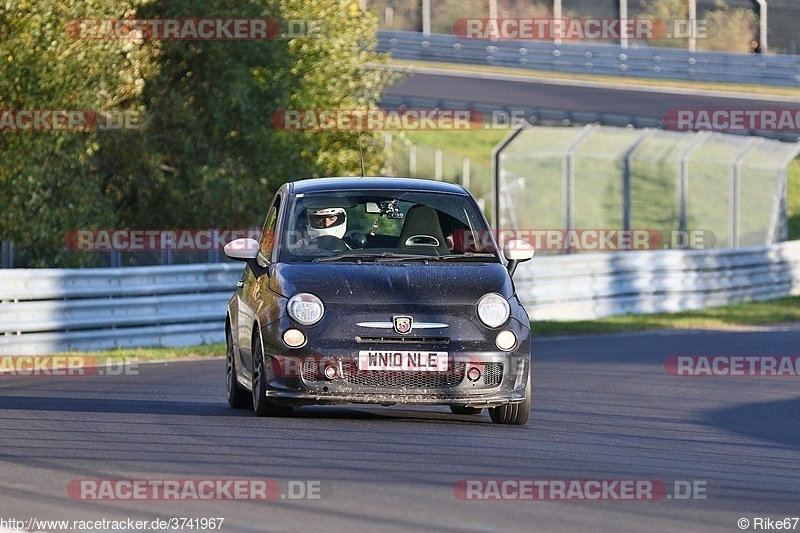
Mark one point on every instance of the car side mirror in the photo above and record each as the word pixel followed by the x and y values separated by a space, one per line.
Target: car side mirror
pixel 517 251
pixel 246 250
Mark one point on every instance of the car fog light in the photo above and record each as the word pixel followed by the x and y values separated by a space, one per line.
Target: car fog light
pixel 474 374
pixel 506 340
pixel 294 338
pixel 330 372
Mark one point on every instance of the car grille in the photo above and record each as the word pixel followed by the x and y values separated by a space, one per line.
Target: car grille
pixel 309 371
pixel 492 373
pixel 405 340
pixel 397 379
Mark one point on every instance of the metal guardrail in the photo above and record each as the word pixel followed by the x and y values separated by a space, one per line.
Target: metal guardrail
pixel 598 285
pixel 50 311
pixel 610 60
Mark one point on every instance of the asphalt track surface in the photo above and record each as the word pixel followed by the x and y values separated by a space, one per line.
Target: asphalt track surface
pixel 574 96
pixel 603 408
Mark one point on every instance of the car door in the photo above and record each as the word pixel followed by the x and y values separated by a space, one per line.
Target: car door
pixel 252 287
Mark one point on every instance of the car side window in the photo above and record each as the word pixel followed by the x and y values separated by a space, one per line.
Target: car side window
pixel 267 242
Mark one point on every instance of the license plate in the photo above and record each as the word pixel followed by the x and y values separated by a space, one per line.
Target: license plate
pixel 403 361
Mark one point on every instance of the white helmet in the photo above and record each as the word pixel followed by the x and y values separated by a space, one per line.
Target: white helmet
pixel 329 221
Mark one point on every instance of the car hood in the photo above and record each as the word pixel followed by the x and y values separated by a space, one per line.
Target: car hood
pixel 434 283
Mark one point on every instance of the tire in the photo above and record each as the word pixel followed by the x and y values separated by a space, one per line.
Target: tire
pixel 238 396
pixel 514 413
pixel 261 405
pixel 461 410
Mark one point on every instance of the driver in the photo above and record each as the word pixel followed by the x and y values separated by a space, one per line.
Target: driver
pixel 331 221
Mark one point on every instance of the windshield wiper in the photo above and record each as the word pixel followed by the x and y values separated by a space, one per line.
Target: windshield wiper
pixel 375 257
pixel 465 255
pixel 390 257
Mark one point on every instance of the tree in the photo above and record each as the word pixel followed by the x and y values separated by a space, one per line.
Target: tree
pixel 206 155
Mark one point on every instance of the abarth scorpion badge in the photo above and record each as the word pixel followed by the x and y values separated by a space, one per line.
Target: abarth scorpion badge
pixel 403 324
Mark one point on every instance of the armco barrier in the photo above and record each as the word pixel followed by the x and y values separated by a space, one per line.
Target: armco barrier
pixel 590 58
pixel 49 311
pixel 587 286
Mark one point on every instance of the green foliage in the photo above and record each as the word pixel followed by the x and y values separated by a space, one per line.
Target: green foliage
pixel 47 179
pixel 207 154
pixel 406 13
pixel 729 30
pixel 726 29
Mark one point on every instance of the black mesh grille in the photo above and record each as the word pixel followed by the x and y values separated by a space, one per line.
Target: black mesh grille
pixel 309 371
pixel 400 379
pixel 492 373
pixel 404 340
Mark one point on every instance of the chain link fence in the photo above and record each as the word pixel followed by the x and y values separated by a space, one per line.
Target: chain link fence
pixel 729 189
pixel 407 159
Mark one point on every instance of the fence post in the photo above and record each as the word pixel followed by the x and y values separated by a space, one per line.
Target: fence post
pixel 412 160
pixel 7 254
pixel 465 173
pixel 497 169
pixel 683 182
pixel 777 230
pixel 735 200
pixel 569 175
pixel 626 178
pixel 437 164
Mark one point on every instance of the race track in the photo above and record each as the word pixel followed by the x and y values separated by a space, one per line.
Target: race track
pixel 529 92
pixel 604 409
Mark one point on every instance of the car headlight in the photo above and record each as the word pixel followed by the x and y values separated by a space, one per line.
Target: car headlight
pixel 305 308
pixel 493 310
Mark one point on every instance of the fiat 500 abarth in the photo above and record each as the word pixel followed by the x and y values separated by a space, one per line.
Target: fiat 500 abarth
pixel 379 291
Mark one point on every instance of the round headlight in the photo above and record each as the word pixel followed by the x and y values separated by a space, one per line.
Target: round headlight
pixel 493 310
pixel 305 308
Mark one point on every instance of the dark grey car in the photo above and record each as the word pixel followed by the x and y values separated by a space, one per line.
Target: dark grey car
pixel 381 291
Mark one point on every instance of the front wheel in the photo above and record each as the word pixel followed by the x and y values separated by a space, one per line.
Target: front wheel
pixel 261 405
pixel 514 413
pixel 238 397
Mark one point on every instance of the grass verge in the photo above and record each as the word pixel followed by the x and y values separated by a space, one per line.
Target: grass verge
pixel 154 354
pixel 742 315
pixel 793 201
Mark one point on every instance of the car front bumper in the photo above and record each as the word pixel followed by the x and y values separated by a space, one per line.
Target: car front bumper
pixel 477 380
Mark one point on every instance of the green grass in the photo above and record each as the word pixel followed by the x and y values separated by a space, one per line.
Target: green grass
pixel 477 145
pixel 784 310
pixel 154 354
pixel 793 203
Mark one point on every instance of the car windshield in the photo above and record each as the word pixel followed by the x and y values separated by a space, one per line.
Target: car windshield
pixel 386 226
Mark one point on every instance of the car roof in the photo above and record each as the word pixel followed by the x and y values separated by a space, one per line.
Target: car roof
pixel 375 183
